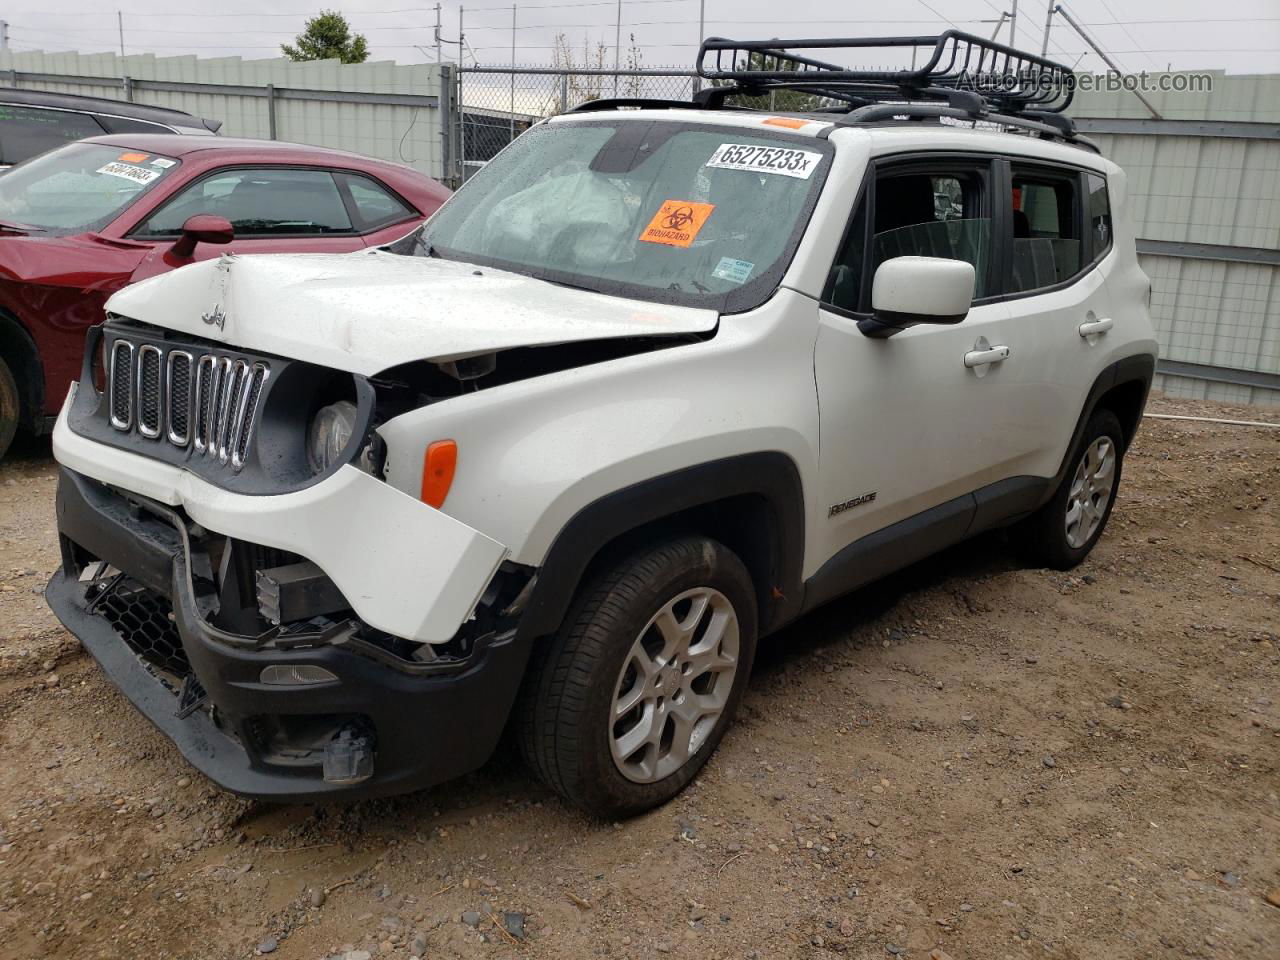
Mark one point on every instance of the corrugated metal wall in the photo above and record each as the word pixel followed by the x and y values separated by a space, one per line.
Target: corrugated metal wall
pixel 404 133
pixel 1212 202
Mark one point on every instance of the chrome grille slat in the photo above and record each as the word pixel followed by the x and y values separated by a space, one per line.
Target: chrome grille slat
pixel 210 404
pixel 147 396
pixel 120 395
pixel 177 396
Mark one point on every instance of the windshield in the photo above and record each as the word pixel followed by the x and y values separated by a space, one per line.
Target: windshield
pixel 79 187
pixel 681 213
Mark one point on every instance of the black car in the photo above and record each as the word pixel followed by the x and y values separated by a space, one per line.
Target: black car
pixel 33 121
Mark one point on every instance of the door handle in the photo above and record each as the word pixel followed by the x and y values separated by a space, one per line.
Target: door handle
pixel 1091 327
pixel 980 358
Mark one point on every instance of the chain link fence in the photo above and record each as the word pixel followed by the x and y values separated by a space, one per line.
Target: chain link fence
pixel 497 104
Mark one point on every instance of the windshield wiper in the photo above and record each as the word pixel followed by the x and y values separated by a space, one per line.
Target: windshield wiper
pixel 14 227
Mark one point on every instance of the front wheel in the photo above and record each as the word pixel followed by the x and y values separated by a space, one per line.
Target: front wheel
pixel 1062 532
pixel 10 407
pixel 625 704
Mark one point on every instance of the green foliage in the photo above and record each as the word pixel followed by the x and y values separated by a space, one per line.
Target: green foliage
pixel 328 37
pixel 779 101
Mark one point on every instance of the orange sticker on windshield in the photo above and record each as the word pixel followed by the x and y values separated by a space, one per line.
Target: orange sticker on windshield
pixel 677 222
pixel 132 157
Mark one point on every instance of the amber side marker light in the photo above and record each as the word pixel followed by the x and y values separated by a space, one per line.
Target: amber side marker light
pixel 438 464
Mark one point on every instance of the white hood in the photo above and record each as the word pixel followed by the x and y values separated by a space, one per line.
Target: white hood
pixel 365 312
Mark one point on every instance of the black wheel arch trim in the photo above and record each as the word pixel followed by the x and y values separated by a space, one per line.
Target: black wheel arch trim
pixel 1139 368
pixel 770 475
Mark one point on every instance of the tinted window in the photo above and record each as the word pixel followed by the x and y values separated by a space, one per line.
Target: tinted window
pixel 1099 216
pixel 915 215
pixel 1046 244
pixel 259 202
pixel 374 204
pixel 26 132
pixel 79 187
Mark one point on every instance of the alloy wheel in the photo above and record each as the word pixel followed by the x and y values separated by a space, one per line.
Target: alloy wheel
pixel 674 684
pixel 1090 492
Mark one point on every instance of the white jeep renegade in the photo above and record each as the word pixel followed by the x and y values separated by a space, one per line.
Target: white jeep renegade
pixel 657 381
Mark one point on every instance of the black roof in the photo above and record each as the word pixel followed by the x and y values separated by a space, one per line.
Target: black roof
pixel 115 108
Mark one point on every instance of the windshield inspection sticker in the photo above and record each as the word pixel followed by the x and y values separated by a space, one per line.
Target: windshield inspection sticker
pixel 129 172
pixel 677 222
pixel 781 160
pixel 735 271
pixel 164 163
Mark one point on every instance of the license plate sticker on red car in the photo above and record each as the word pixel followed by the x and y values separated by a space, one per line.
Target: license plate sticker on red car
pixel 129 172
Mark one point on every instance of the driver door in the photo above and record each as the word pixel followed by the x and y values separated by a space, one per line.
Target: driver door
pixel 907 429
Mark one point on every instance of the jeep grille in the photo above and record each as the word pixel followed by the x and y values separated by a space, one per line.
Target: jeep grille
pixel 206 401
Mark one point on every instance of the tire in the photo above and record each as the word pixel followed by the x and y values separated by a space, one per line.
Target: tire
pixel 10 407
pixel 686 682
pixel 1049 537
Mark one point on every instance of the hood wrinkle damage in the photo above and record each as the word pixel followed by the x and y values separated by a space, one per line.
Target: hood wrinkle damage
pixel 368 313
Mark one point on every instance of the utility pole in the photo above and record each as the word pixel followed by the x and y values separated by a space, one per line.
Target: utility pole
pixel 462 44
pixel 439 59
pixel 513 71
pixel 1105 58
pixel 702 21
pixel 999 25
pixel 1013 24
pixel 4 35
pixel 617 47
pixel 1048 24
pixel 120 25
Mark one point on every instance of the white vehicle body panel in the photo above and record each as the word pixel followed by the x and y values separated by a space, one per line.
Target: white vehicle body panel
pixel 367 311
pixel 404 567
pixel 532 454
pixel 902 416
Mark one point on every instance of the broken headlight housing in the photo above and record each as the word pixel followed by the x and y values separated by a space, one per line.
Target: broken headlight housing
pixel 329 433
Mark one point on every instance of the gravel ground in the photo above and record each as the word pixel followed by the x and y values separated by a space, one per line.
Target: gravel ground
pixel 970 760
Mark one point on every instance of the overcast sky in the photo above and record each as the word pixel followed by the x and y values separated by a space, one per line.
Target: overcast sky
pixel 1239 36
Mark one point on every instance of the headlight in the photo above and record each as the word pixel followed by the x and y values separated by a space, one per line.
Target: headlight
pixel 329 433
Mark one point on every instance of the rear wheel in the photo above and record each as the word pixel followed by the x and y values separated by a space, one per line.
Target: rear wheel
pixel 1062 532
pixel 10 407
pixel 625 704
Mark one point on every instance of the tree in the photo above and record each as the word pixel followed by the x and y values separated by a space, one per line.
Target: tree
pixel 328 37
pixel 780 100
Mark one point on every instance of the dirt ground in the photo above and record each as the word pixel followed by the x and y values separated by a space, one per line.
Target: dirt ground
pixel 973 757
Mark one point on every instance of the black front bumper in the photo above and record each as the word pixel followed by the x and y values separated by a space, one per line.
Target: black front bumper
pixel 428 724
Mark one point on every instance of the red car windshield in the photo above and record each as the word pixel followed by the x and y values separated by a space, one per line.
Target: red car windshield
pixel 79 187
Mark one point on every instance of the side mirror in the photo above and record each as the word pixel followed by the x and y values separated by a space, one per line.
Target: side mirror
pixel 911 290
pixel 202 228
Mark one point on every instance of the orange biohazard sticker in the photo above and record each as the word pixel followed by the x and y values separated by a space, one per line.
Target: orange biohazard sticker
pixel 132 157
pixel 677 222
pixel 791 123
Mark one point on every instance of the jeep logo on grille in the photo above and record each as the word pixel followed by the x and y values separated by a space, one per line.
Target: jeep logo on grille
pixel 215 318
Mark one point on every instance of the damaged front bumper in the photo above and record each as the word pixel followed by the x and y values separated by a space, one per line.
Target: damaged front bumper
pixel 150 588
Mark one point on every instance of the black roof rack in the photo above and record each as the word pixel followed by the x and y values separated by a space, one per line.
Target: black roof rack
pixel 965 77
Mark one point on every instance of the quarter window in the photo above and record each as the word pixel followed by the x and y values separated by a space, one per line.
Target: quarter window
pixel 374 204
pixel 1099 216
pixel 259 203
pixel 1046 238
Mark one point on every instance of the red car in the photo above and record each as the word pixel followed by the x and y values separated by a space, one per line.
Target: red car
pixel 82 221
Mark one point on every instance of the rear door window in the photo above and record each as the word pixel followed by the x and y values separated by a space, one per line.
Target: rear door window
pixel 1047 248
pixel 259 202
pixel 26 132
